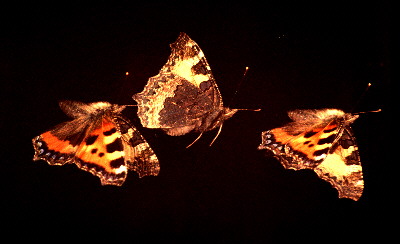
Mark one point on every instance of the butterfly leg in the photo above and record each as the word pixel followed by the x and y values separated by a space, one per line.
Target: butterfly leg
pixel 195 140
pixel 219 131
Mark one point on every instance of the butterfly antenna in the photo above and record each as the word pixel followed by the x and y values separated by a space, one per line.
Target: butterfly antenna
pixel 373 111
pixel 362 96
pixel 195 140
pixel 249 109
pixel 238 86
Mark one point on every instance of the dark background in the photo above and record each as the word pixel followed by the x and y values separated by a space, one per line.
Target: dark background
pixel 301 55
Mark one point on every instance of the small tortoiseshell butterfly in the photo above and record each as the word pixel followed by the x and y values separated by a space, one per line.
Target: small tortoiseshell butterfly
pixel 184 96
pixel 321 140
pixel 98 140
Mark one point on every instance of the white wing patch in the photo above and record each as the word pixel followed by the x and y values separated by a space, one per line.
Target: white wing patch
pixel 335 165
pixel 183 68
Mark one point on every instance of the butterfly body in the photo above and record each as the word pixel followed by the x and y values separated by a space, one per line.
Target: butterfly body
pixel 321 140
pixel 98 140
pixel 184 96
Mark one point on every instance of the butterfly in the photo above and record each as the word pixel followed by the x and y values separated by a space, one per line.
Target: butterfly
pixel 98 140
pixel 321 140
pixel 184 96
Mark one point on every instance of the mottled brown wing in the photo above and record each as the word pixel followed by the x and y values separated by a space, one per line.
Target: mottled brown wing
pixel 184 92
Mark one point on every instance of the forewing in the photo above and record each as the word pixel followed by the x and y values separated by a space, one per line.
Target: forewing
pixel 182 93
pixel 301 150
pixel 59 145
pixel 102 153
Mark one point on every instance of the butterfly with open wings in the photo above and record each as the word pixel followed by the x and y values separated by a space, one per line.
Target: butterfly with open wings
pixel 98 140
pixel 321 140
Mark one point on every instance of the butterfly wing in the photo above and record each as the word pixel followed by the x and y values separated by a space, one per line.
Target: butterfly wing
pixel 59 145
pixel 301 150
pixel 182 94
pixel 102 153
pixel 138 154
pixel 342 167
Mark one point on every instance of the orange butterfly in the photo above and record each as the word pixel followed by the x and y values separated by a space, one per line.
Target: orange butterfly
pixel 322 140
pixel 99 140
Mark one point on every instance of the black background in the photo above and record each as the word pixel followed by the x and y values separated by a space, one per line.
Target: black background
pixel 301 55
